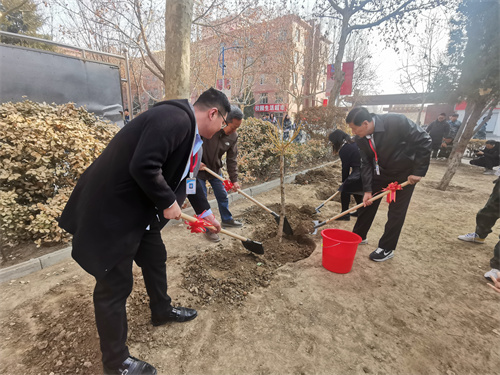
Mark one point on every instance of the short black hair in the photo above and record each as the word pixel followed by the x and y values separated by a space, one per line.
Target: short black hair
pixel 491 142
pixel 214 98
pixel 234 114
pixel 358 115
pixel 454 115
pixel 442 114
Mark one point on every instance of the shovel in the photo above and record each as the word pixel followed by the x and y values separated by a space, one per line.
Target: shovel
pixel 286 225
pixel 317 224
pixel 253 246
pixel 328 200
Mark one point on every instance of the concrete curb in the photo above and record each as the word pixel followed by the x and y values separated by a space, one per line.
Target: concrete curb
pixel 33 265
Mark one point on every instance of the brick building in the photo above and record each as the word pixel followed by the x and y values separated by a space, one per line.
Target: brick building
pixel 275 66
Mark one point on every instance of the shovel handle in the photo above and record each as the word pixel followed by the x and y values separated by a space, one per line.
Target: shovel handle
pixel 231 234
pixel 329 199
pixel 239 191
pixel 381 195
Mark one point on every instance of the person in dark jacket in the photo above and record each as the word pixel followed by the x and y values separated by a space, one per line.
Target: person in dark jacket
pixel 489 157
pixel 393 149
pixel 223 142
pixel 348 152
pixel 438 130
pixel 122 201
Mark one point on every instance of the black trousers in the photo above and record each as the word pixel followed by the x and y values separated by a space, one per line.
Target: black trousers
pixel 484 161
pixel 486 218
pixel 395 216
pixel 345 199
pixel 112 291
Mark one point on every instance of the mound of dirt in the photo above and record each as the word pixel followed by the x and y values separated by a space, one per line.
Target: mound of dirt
pixel 321 175
pixel 227 275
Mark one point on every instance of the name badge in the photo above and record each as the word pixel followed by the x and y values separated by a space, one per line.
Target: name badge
pixel 190 186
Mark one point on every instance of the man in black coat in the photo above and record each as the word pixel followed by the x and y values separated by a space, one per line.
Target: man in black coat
pixel 122 201
pixel 392 148
pixel 438 130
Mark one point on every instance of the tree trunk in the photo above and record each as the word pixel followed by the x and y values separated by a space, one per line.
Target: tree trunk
pixel 178 16
pixel 282 190
pixel 456 156
pixel 338 74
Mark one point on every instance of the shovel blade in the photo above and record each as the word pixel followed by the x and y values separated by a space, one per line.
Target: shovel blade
pixel 253 246
pixel 286 225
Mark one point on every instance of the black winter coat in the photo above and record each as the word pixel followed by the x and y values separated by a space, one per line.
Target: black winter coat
pixel 137 176
pixel 403 149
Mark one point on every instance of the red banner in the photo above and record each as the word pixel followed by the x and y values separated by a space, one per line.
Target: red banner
pixel 348 69
pixel 271 108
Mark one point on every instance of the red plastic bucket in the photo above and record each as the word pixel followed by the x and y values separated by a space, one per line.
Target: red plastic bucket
pixel 339 249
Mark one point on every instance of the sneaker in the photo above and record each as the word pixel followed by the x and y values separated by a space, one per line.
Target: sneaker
pixel 489 171
pixel 364 242
pixel 471 237
pixel 214 237
pixel 232 224
pixel 493 272
pixel 380 255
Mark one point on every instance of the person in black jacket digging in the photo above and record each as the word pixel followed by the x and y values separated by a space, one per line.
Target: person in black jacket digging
pixel 122 201
pixel 393 148
pixel 348 151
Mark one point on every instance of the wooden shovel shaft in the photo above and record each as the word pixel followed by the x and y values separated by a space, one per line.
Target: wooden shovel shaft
pixel 333 196
pixel 239 191
pixel 231 234
pixel 381 195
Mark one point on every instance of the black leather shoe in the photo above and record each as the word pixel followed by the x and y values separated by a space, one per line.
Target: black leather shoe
pixel 354 214
pixel 232 224
pixel 131 366
pixel 344 218
pixel 177 314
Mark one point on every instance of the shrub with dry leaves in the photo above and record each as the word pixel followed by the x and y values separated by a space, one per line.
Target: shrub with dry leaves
pixel 43 151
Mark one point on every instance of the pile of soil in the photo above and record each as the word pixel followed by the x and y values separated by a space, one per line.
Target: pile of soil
pixel 229 274
pixel 327 179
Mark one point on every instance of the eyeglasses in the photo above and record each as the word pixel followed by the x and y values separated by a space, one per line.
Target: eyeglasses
pixel 223 119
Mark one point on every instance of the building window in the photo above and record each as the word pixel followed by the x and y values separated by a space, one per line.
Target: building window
pixel 278 99
pixel 262 79
pixel 297 35
pixel 296 58
pixel 323 86
pixel 294 77
pixel 263 98
pixel 277 80
pixel 282 35
pixel 250 61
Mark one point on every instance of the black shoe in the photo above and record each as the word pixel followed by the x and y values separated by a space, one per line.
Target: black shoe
pixel 232 224
pixel 354 214
pixel 131 366
pixel 380 255
pixel 177 314
pixel 344 218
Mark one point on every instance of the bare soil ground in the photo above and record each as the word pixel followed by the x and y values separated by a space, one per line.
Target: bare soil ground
pixel 426 311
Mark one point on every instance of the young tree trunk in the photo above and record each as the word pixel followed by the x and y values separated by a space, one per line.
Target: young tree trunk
pixel 282 190
pixel 458 152
pixel 178 16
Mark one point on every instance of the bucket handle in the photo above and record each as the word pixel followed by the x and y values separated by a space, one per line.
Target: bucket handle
pixel 327 247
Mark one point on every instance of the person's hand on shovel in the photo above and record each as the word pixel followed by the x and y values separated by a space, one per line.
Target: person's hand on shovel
pixel 202 166
pixel 173 212
pixel 413 179
pixel 236 186
pixel 214 222
pixel 366 199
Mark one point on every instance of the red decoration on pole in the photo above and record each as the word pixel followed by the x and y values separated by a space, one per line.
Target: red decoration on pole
pixel 392 187
pixel 228 185
pixel 197 226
